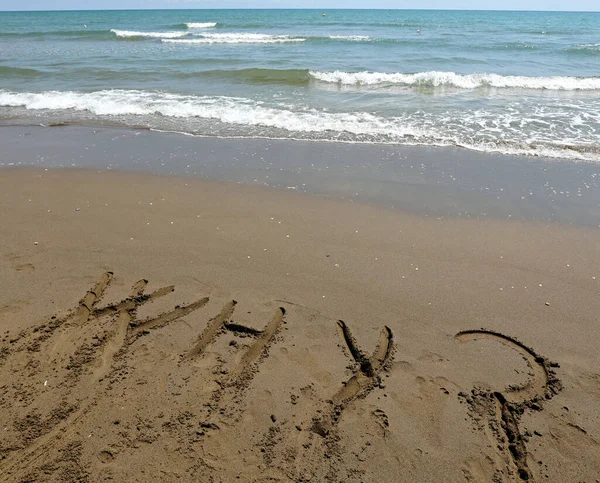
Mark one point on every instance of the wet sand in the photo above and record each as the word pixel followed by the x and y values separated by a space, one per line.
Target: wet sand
pixel 438 182
pixel 158 328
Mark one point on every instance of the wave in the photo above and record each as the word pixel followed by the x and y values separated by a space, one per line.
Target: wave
pixel 257 75
pixel 237 38
pixel 353 38
pixel 584 49
pixel 135 102
pixel 490 131
pixel 129 34
pixel 200 25
pixel 462 81
pixel 7 72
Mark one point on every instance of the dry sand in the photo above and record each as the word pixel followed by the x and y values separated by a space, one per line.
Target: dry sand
pixel 172 329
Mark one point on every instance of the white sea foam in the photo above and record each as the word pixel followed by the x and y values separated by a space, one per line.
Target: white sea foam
pixel 226 109
pixel 237 38
pixel 510 131
pixel 590 47
pixel 159 35
pixel 200 25
pixel 355 38
pixel 451 79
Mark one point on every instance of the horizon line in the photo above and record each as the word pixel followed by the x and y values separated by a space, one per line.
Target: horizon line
pixel 298 8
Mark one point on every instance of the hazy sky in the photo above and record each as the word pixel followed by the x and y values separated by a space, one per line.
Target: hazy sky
pixel 589 5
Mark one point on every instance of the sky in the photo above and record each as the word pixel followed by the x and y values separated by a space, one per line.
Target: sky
pixel 573 5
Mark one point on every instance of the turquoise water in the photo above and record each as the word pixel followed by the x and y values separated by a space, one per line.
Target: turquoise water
pixel 510 82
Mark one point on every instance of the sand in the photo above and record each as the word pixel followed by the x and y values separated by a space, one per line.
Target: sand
pixel 173 329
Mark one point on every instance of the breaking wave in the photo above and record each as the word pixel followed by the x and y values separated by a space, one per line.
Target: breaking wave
pixel 200 25
pixel 509 131
pixel 236 38
pixel 461 81
pixel 354 38
pixel 157 35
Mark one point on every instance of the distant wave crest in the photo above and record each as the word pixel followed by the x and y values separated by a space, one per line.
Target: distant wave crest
pixel 354 38
pixel 451 79
pixel 585 49
pixel 200 25
pixel 158 35
pixel 236 38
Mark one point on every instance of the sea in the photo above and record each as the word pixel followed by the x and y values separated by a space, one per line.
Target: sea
pixel 517 83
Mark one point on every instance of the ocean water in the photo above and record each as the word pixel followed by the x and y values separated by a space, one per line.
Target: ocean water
pixel 505 82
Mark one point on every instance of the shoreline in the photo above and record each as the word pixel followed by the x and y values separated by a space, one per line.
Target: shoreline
pixel 430 181
pixel 103 124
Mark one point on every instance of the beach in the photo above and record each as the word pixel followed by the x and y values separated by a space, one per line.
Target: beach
pixel 100 381
pixel 299 245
